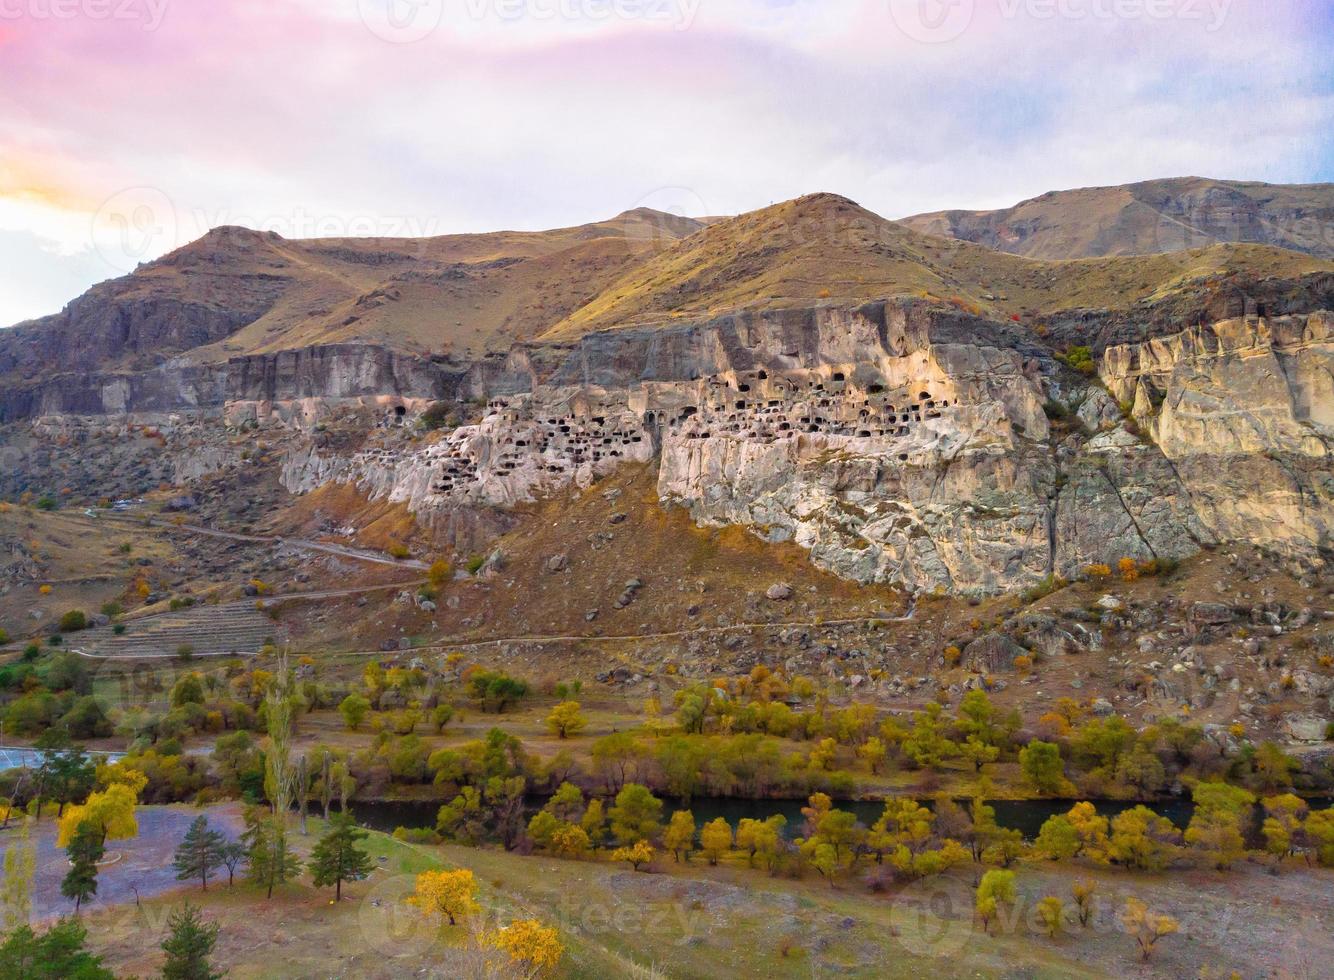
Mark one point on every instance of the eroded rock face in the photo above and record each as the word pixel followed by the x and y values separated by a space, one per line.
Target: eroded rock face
pixel 899 444
pixel 1244 413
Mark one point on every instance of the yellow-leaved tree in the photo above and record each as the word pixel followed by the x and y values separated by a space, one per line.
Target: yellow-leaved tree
pixel 109 811
pixel 452 894
pixel 534 949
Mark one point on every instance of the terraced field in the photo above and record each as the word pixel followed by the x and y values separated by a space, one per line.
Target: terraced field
pixel 226 630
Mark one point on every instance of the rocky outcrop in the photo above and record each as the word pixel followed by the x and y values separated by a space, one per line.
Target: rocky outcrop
pixel 1243 410
pixel 895 442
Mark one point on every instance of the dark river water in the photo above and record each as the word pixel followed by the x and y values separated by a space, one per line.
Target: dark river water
pixel 1026 816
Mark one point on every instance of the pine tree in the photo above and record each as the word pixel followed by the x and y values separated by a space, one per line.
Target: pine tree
pixel 189 945
pixel 336 858
pixel 85 850
pixel 200 852
pixel 269 860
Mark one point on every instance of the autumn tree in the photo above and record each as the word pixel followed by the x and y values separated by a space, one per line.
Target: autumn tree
pixel 451 894
pixel 679 837
pixel 534 950
pixel 16 892
pixel 1142 840
pixel 1146 926
pixel 354 709
pixel 715 839
pixel 110 812
pixel 1216 828
pixel 635 814
pixel 638 855
pixel 1084 890
pixel 1050 914
pixel 1042 767
pixel 566 720
pixel 994 890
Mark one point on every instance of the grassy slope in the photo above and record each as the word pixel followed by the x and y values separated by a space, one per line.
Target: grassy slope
pixel 693 921
pixel 824 247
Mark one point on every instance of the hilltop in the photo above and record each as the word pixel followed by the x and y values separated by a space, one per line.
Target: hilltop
pixel 1145 218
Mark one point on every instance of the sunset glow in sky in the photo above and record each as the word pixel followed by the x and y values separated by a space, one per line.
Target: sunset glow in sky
pixel 128 127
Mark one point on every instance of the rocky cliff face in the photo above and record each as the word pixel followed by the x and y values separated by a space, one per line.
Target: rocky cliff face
pixel 902 444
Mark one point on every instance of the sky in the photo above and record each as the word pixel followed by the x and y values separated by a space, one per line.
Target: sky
pixel 130 127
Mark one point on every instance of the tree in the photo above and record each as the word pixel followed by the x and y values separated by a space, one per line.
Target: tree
pixel 496 689
pixel 452 894
pixel 1050 912
pixel 84 850
pixel 533 948
pixel 20 866
pixel 1142 840
pixel 995 889
pixel 594 822
pixel 269 861
pixel 439 574
pixel 679 837
pixel 978 752
pixel 565 720
pixel 638 854
pixel 715 839
pixel 1083 890
pixel 1091 830
pixel 110 812
pixel 873 753
pixel 1216 826
pixel 56 954
pixel 337 858
pixel 1283 825
pixel 927 745
pixel 189 945
pixel 570 841
pixel 1041 765
pixel 1146 926
pixel 1141 769
pixel 231 855
pixel 635 814
pixel 200 852
pixel 977 717
pixel 354 709
pixel 1057 839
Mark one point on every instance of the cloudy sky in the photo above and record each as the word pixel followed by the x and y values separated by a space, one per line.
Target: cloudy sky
pixel 128 127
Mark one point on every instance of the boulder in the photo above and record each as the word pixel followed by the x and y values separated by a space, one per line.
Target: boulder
pixel 779 591
pixel 1306 728
pixel 1210 613
pixel 991 653
pixel 557 563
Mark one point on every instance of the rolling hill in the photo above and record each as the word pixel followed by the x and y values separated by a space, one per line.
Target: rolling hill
pixel 1154 216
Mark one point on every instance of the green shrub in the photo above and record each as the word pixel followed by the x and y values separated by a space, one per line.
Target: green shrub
pixel 73 621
